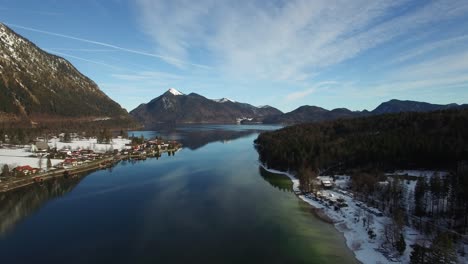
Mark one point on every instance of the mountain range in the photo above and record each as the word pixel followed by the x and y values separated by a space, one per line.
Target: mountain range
pixel 38 87
pixel 306 114
pixel 175 107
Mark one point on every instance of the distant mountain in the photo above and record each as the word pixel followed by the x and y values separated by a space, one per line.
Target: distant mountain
pixel 36 86
pixel 310 114
pixel 396 106
pixel 176 107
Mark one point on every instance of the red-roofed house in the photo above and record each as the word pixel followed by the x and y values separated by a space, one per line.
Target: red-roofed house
pixel 26 170
pixel 70 162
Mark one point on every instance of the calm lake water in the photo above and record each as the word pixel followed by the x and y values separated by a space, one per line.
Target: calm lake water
pixel 209 203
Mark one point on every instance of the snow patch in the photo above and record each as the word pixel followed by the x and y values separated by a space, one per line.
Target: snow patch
pixel 167 103
pixel 99 118
pixel 420 173
pixel 175 91
pixel 224 100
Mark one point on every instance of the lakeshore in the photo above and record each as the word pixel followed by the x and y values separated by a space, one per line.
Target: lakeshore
pixel 75 162
pixel 349 223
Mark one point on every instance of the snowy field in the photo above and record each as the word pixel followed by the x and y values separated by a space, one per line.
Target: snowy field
pixel 90 143
pixel 13 162
pixel 348 220
pixel 17 152
pixel 419 173
pixel 20 157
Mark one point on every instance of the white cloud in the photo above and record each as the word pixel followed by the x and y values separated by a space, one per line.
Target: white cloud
pixel 304 93
pixel 428 48
pixel 300 94
pixel 443 66
pixel 433 77
pixel 289 40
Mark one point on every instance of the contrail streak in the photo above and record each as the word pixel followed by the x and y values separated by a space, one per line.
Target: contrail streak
pixel 166 58
pixel 31 12
pixel 85 50
pixel 83 59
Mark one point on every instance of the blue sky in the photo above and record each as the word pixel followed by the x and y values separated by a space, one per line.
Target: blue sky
pixel 353 54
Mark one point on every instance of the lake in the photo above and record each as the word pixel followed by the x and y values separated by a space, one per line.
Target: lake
pixel 209 203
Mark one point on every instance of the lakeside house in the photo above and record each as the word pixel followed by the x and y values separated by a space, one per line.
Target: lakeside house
pixel 39 146
pixel 26 170
pixel 327 184
pixel 70 162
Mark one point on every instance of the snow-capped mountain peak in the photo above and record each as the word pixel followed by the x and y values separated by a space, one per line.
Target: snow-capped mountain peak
pixel 224 100
pixel 174 91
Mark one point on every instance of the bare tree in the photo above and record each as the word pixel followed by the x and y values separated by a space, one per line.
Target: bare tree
pixel 39 162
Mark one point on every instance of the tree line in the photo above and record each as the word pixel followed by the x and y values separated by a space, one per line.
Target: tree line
pixel 26 135
pixel 436 140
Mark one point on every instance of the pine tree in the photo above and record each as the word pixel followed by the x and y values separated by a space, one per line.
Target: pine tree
pixel 306 174
pixel 20 136
pixel 401 245
pixel 123 134
pixel 66 137
pixel 5 171
pixel 419 254
pixel 442 250
pixel 49 163
pixel 419 192
pixel 435 185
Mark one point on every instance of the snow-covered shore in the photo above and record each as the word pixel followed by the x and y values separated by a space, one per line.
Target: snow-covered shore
pixel 22 155
pixel 349 221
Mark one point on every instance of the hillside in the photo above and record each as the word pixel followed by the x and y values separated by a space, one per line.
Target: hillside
pixel 397 106
pixel 176 107
pixel 38 87
pixel 311 114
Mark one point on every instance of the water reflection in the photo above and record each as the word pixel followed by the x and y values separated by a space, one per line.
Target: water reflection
pixel 276 180
pixel 18 204
pixel 197 136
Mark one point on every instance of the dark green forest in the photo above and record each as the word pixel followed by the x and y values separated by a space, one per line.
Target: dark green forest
pixel 435 140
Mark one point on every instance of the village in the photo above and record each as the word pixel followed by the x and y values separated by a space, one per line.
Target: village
pixel 69 154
